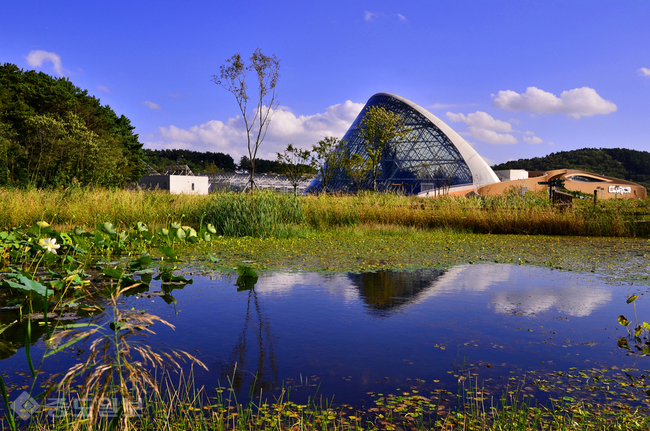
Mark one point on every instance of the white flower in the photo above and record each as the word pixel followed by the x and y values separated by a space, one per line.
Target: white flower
pixel 49 244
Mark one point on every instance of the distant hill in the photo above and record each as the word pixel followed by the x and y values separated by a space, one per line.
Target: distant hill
pixel 631 165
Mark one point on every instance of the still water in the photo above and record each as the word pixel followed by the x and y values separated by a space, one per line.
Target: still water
pixel 350 334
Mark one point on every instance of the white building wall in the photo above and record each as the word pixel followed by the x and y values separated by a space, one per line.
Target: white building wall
pixel 176 184
pixel 512 174
pixel 188 184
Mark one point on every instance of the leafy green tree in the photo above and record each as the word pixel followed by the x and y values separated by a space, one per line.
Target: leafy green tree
pixel 328 156
pixel 52 132
pixel 232 76
pixel 357 168
pixel 378 128
pixel 294 163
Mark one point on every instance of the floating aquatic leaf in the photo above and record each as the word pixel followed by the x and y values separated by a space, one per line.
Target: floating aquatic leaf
pixel 246 271
pixel 167 276
pixel 622 343
pixel 27 285
pixel 623 321
pixel 168 251
pixel 142 262
pixel 245 283
pixel 632 299
pixel 115 273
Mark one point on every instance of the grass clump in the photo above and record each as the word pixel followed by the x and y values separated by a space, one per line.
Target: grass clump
pixel 260 214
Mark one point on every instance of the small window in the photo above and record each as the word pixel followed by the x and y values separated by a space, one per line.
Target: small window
pixel 192 186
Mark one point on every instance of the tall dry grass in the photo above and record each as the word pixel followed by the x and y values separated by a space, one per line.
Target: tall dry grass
pixel 532 214
pixel 87 207
pixel 267 214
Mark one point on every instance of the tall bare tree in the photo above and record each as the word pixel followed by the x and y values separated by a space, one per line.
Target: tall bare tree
pixel 232 76
pixel 379 127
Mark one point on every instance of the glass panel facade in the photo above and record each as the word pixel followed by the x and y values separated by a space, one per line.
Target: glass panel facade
pixel 425 160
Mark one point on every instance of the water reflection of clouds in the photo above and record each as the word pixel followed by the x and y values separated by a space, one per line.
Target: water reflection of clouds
pixel 283 283
pixel 525 290
pixel 471 278
pixel 576 300
pixel 516 289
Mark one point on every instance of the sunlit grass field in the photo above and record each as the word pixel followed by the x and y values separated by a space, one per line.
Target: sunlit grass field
pixel 267 214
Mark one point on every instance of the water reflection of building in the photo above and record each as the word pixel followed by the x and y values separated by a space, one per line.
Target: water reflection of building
pixel 521 290
pixel 384 292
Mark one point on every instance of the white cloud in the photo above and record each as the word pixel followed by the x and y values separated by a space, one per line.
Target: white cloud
pixel 492 137
pixel 36 58
pixel 369 16
pixel 482 120
pixel 644 71
pixel 485 128
pixel 151 105
pixel 576 103
pixel 230 136
pixel 532 140
pixel 176 95
pixel 401 17
pixel 103 88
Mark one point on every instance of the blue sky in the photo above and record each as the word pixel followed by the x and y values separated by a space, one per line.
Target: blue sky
pixel 515 78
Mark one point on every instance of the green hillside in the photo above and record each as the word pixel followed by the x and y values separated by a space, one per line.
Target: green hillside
pixel 631 165
pixel 53 133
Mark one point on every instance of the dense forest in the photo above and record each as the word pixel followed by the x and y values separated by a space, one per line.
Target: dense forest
pixel 208 162
pixel 631 165
pixel 198 162
pixel 53 133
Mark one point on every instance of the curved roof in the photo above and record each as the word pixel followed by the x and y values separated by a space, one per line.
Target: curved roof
pixel 432 157
pixel 482 173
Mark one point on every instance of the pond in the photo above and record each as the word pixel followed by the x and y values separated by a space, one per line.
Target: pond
pixel 350 336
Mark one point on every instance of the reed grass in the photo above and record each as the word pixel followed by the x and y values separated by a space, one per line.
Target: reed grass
pixel 260 214
pixel 267 214
pixel 181 405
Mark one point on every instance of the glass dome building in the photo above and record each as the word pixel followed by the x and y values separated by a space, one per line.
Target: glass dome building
pixel 432 158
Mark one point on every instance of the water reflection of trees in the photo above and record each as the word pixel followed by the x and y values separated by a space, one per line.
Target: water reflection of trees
pixel 386 291
pixel 263 374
